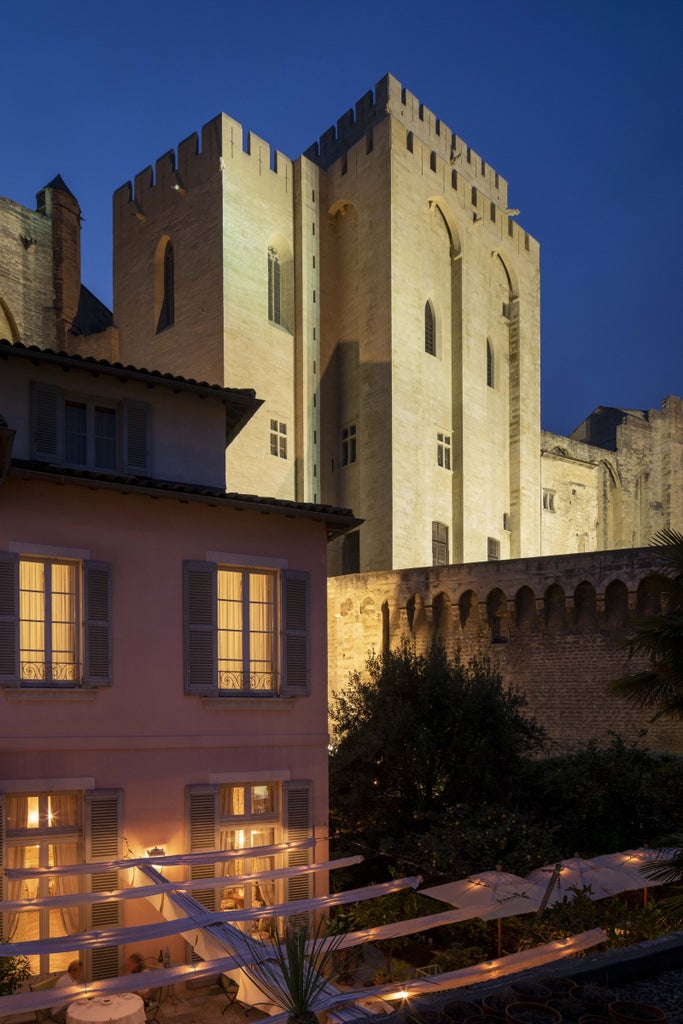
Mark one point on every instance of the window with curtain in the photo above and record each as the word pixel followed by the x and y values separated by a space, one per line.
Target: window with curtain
pixel 246 630
pixel 49 640
pixel 44 830
pixel 242 810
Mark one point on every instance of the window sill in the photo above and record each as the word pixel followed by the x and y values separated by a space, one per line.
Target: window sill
pixel 19 693
pixel 263 703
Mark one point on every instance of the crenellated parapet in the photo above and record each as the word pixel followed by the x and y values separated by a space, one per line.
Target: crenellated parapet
pixel 390 98
pixel 223 140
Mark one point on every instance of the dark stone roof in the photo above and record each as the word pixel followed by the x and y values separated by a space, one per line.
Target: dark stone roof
pixel 240 403
pixel 337 520
pixel 58 185
pixel 92 316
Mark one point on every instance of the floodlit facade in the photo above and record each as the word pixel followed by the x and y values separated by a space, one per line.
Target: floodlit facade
pixel 162 644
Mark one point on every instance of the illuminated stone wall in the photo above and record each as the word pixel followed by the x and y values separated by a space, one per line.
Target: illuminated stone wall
pixel 554 627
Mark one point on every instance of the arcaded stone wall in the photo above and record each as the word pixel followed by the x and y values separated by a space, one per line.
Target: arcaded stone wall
pixel 554 627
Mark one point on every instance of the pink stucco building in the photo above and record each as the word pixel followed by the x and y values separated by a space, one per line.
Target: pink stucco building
pixel 162 643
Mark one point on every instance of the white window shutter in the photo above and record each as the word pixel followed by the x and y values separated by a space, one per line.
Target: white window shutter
pixel 296 671
pixel 136 458
pixel 298 820
pixel 202 808
pixel 103 826
pixel 9 619
pixel 97 618
pixel 200 613
pixel 47 430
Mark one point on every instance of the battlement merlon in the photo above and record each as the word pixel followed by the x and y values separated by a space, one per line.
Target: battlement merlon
pixel 222 140
pixel 390 98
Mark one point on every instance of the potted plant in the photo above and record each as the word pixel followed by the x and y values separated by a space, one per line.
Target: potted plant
pixel 294 973
pixel 13 970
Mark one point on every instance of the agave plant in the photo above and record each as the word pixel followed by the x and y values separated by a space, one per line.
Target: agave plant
pixel 295 972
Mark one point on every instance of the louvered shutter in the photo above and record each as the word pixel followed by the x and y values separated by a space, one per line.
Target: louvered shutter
pixel 9 619
pixel 200 611
pixel 202 826
pixel 2 854
pixel 47 432
pixel 299 824
pixel 97 619
pixel 103 843
pixel 135 438
pixel 296 674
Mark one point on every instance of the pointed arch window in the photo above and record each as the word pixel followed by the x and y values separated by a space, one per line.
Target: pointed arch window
pixel 430 330
pixel 489 364
pixel 274 287
pixel 166 287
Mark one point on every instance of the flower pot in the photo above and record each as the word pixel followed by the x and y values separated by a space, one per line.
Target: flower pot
pixel 532 1013
pixel 458 1010
pixel 494 1004
pixel 624 1012
pixel 559 986
pixel 595 998
pixel 530 991
pixel 571 1010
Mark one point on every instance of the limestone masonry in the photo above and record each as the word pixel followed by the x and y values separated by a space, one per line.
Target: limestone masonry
pixel 381 298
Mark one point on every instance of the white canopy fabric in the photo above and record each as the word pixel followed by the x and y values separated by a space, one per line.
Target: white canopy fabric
pixel 507 894
pixel 563 878
pixel 475 975
pixel 201 917
pixel 141 892
pixel 214 856
pixel 632 862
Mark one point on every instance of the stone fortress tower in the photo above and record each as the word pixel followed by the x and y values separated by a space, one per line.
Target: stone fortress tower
pixel 380 297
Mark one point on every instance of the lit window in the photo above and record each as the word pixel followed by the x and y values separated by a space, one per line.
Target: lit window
pixel 443 450
pixel 278 439
pixel 439 544
pixel 55 837
pixel 243 634
pixel 246 630
pixel 56 626
pixel 430 330
pixel 348 440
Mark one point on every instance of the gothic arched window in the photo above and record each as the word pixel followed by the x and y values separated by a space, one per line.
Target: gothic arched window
pixel 430 330
pixel 165 285
pixel 274 287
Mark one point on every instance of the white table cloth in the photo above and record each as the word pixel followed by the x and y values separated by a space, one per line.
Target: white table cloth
pixel 250 994
pixel 127 1008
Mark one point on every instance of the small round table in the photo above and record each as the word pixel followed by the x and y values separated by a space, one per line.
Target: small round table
pixel 127 1008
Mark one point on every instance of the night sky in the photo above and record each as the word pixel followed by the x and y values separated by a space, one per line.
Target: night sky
pixel 578 105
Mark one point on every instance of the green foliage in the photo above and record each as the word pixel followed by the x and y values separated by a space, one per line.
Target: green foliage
pixel 660 638
pixel 294 973
pixel 598 800
pixel 424 733
pixel 13 970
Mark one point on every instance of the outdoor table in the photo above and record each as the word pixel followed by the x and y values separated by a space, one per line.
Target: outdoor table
pixel 127 1008
pixel 250 994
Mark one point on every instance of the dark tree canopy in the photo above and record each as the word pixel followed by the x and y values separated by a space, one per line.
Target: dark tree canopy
pixel 423 733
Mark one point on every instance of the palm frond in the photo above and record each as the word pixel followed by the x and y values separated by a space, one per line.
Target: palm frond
pixel 292 974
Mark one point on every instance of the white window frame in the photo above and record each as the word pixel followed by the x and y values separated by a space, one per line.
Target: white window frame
pixel 349 444
pixel 443 450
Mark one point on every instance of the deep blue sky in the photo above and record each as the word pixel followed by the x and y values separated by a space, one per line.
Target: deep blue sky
pixel 579 105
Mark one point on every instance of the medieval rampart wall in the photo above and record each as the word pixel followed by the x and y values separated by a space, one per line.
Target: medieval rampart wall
pixel 554 627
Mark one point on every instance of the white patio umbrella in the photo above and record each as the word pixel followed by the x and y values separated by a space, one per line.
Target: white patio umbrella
pixel 499 894
pixel 631 862
pixel 561 879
